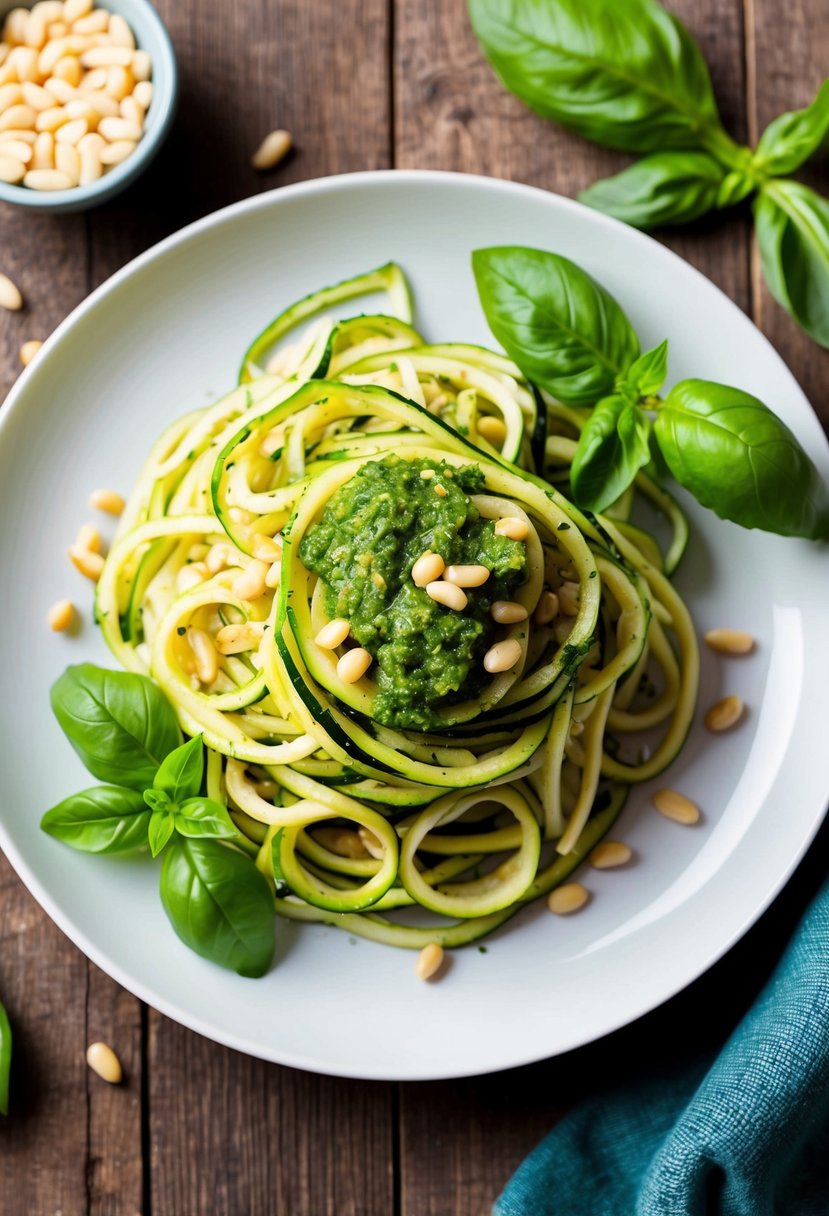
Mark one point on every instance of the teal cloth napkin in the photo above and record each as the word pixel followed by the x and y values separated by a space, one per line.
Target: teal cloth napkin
pixel 743 1134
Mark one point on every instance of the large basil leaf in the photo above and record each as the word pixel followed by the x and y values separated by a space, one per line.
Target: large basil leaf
pixel 219 905
pixel 792 138
pixel 624 73
pixel 612 448
pixel 739 459
pixel 106 819
pixel 792 224
pixel 120 724
pixel 565 332
pixel 665 188
pixel 180 773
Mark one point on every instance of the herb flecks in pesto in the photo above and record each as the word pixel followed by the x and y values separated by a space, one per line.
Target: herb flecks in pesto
pixel 372 531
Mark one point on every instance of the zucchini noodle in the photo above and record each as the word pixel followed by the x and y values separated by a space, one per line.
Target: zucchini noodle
pixel 500 788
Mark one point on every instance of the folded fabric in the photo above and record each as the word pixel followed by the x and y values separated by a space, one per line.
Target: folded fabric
pixel 744 1135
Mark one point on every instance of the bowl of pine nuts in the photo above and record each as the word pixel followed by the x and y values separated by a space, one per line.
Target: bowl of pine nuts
pixel 87 97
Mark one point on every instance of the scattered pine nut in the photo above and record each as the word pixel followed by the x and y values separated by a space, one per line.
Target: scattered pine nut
pixel 206 655
pixel 273 149
pixel 267 549
pixel 466 576
pixel 103 1061
pixel 493 430
pixel 676 806
pixel 513 527
pixel 428 567
pixel 274 575
pixel 89 538
pixel 28 351
pixel 88 563
pixel 440 491
pixel 568 599
pixel 429 961
pixel 333 634
pixel 250 584
pixel 234 639
pixel 546 609
pixel 190 576
pixel 107 500
pixel 502 656
pixel 61 615
pixel 508 612
pixel 10 296
pixel 725 714
pixel 448 594
pixel 729 641
pixel 567 898
pixel 353 665
pixel 609 854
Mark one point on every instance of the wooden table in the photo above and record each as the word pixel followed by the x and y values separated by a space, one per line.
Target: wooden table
pixel 198 1130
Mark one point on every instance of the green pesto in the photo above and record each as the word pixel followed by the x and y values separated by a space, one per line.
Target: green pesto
pixel 372 531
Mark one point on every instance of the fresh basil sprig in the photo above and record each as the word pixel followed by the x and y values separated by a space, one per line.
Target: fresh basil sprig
pixel 723 445
pixel 124 729
pixel 627 74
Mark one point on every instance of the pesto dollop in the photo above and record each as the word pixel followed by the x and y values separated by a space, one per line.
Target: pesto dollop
pixel 363 547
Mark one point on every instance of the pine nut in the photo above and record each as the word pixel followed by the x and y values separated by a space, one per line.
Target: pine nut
pixel 274 575
pixel 12 170
pixel 113 154
pixel 18 137
pixel 508 612
pixel 427 474
pixel 429 961
pixel 68 161
pixel 333 634
pixel 103 1061
pixel 190 576
pixel 120 83
pixel 217 558
pixel 14 30
pixel 107 500
pixel 511 526
pixel 43 153
pixel 466 576
pixel 15 149
pixel 107 57
pixel 91 167
pixel 50 120
pixel 273 149
pixel 47 179
pixel 132 110
pixel 502 656
pixel 428 567
pixel 729 641
pixel 69 70
pixel 143 94
pixel 609 854
pixel 10 95
pixel 353 665
pixel 59 90
pixel 91 142
pixel 676 806
pixel 58 29
pixel 73 10
pixel 88 563
pixel 72 132
pixel 120 32
pixel 10 296
pixel 28 351
pixel 96 22
pixel 207 660
pixel 142 65
pixel 94 81
pixel 89 538
pixel 493 430
pixel 440 491
pixel 36 96
pixel 567 898
pixel 23 61
pixel 94 106
pixel 60 615
pixel 725 714
pixel 55 50
pixel 49 10
pixel 250 584
pixel 266 548
pixel 448 594
pixel 22 116
pixel 568 599
pixel 114 129
pixel 234 639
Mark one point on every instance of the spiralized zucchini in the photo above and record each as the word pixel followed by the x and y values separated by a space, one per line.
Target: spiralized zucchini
pixel 354 820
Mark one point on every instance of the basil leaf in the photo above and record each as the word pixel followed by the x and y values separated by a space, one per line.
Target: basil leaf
pixel 106 819
pixel 157 800
pixel 162 826
pixel 202 817
pixel 645 377
pixel 219 905
pixel 792 224
pixel 565 332
pixel 611 450
pixel 120 724
pixel 739 459
pixel 625 73
pixel 792 138
pixel 665 188
pixel 180 774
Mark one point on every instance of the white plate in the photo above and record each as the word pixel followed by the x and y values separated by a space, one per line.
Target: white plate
pixel 165 335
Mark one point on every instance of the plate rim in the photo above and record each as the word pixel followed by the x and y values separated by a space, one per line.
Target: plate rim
pixel 156 252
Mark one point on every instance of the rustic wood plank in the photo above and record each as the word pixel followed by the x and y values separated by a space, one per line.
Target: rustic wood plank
pixel 452 113
pixel 789 59
pixel 43 978
pixel 231 1134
